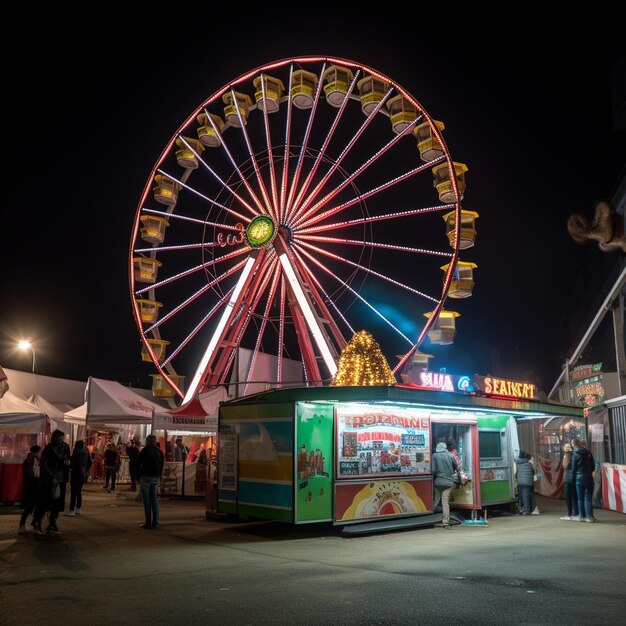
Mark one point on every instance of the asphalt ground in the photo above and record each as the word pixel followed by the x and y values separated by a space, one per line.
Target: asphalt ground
pixel 104 569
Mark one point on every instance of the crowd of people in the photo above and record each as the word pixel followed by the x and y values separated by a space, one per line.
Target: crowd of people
pixel 47 472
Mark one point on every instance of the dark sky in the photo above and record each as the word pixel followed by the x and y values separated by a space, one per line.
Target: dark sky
pixel 91 100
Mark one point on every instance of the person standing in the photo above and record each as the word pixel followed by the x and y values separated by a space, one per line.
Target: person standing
pixel 150 461
pixel 54 468
pixel 80 462
pixel 111 467
pixel 525 472
pixel 569 488
pixel 30 479
pixel 583 466
pixel 180 451
pixel 132 450
pixel 444 466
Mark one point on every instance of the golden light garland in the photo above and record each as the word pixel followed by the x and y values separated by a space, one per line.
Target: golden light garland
pixel 362 364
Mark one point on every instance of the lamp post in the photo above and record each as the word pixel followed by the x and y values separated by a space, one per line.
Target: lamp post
pixel 27 345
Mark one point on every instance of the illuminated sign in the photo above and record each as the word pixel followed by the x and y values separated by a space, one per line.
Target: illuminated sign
pixel 585 371
pixel 444 382
pixel 502 387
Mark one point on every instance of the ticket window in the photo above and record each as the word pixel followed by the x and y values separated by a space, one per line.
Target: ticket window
pixel 460 439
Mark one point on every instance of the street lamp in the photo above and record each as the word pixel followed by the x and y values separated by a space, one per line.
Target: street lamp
pixel 27 345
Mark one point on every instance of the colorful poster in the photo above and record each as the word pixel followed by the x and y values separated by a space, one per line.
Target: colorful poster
pixel 314 453
pixel 376 441
pixel 357 501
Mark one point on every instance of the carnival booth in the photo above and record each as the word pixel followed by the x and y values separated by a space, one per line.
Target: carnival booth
pixel 22 425
pixel 188 467
pixel 349 455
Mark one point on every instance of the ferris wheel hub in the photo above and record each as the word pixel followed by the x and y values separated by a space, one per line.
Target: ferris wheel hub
pixel 260 231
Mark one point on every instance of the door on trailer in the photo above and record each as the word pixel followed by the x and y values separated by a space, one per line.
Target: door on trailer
pixel 498 445
pixel 461 436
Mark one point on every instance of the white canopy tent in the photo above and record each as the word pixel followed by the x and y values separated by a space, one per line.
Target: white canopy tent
pixel 19 416
pixel 109 402
pixel 56 415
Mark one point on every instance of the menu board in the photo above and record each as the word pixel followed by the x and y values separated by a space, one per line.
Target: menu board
pixel 374 441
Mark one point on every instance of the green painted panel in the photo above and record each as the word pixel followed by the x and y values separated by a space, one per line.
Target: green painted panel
pixel 495 491
pixel 314 461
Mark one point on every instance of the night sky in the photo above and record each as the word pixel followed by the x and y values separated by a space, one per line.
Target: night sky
pixel 91 101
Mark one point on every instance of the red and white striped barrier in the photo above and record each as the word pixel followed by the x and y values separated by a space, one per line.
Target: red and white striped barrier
pixel 614 487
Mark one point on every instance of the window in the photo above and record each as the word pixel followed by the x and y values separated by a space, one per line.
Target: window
pixel 489 445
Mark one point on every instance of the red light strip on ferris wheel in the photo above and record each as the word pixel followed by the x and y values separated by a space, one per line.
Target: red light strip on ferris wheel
pixel 219 179
pixel 344 152
pixel 322 150
pixel 270 154
pixel 208 353
pixel 255 165
pixel 307 211
pixel 283 182
pixel 305 141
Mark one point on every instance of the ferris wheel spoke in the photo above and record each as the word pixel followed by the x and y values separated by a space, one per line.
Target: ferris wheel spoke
pixel 369 271
pixel 270 154
pixel 242 178
pixel 199 326
pixel 193 270
pixel 219 179
pixel 372 244
pixel 230 311
pixel 322 151
pixel 194 220
pixel 368 194
pixel 285 172
pixel 335 165
pixel 305 141
pixel 327 298
pixel 311 210
pixel 281 329
pixel 261 331
pixel 197 294
pixel 268 205
pixel 359 296
pixel 374 218
pixel 201 195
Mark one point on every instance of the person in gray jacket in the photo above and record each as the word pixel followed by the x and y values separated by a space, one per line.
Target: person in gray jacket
pixel 526 481
pixel 444 466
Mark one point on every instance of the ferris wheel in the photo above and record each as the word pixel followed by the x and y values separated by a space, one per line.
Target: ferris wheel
pixel 297 205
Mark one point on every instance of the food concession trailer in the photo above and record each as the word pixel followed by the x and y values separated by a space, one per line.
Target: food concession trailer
pixel 349 455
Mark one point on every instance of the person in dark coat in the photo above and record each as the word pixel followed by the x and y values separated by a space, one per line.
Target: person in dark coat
pixel 444 466
pixel 569 487
pixel 526 482
pixel 80 462
pixel 132 450
pixel 54 470
pixel 583 466
pixel 30 480
pixel 150 461
pixel 112 463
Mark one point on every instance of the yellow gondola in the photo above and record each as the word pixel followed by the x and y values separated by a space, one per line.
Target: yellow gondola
pixel 158 347
pixel 209 134
pixel 443 330
pixel 166 190
pixel 148 310
pixel 429 146
pixel 441 175
pixel 161 389
pixel 371 91
pixel 337 81
pixel 241 102
pixel 274 89
pixel 153 229
pixel 467 231
pixel 401 113
pixel 303 85
pixel 186 153
pixel 145 269
pixel 462 282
